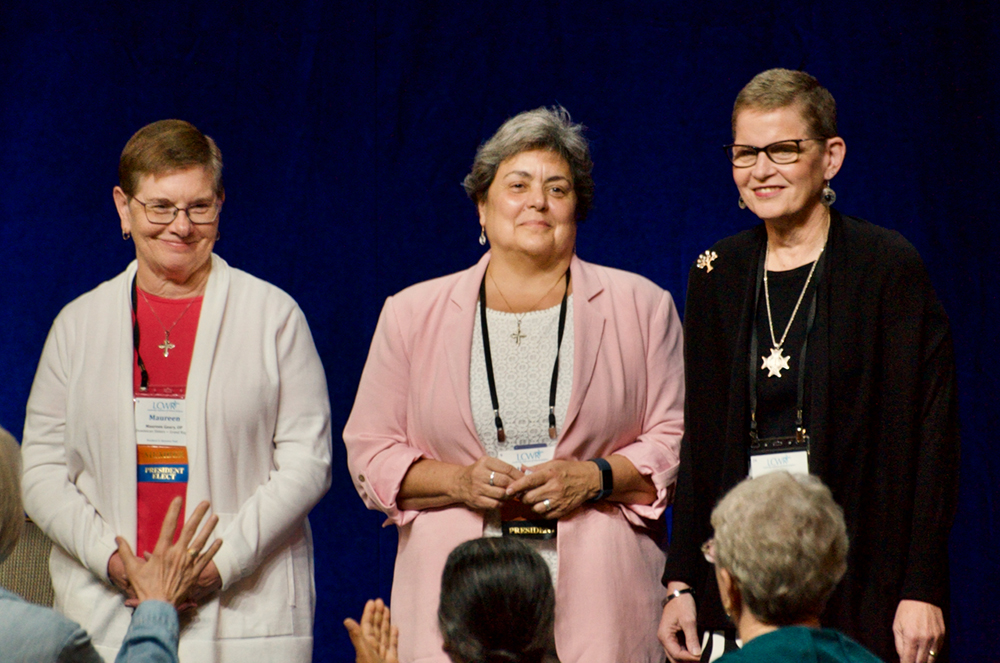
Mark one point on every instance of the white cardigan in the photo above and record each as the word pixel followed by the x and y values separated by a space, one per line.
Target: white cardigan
pixel 258 444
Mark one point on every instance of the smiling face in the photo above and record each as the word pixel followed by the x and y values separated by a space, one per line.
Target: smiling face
pixel 174 258
pixel 785 193
pixel 530 208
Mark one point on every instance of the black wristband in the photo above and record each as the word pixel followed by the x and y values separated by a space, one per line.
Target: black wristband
pixel 607 479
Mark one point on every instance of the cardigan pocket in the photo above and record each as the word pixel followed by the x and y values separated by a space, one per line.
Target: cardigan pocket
pixel 260 604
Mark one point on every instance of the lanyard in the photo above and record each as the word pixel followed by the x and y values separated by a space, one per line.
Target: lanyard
pixel 144 375
pixel 810 320
pixel 501 437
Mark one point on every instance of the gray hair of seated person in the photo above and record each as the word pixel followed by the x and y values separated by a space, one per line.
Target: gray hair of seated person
pixel 11 509
pixel 783 540
pixel 497 603
pixel 540 129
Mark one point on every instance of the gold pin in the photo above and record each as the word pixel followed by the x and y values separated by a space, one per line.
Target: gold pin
pixel 705 260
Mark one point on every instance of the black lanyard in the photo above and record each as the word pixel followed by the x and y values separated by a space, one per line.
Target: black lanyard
pixel 501 437
pixel 144 376
pixel 810 320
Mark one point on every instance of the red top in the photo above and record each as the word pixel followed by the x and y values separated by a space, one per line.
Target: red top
pixel 167 374
pixel 162 470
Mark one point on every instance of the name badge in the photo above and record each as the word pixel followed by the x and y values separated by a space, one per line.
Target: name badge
pixel 527 454
pixel 160 421
pixel 780 454
pixel 519 521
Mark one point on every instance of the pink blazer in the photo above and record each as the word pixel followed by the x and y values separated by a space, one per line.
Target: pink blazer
pixel 627 398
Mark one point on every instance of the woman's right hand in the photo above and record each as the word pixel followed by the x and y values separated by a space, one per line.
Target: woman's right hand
pixel 483 485
pixel 172 569
pixel 680 616
pixel 431 484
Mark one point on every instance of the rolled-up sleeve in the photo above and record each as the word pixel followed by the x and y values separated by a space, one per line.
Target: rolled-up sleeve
pixel 656 452
pixel 378 453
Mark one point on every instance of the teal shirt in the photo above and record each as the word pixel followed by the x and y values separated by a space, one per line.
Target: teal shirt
pixel 801 643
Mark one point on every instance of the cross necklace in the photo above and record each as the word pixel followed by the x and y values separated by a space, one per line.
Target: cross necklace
pixel 517 336
pixel 166 346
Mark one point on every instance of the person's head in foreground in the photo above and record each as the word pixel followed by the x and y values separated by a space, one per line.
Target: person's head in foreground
pixel 780 548
pixel 497 603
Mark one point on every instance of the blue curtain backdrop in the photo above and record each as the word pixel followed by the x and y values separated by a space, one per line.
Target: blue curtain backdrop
pixel 347 128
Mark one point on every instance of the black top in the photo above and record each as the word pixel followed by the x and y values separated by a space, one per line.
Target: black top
pixel 882 412
pixel 776 396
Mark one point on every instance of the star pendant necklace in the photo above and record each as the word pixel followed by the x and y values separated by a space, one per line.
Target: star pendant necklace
pixel 776 361
pixel 517 336
pixel 166 346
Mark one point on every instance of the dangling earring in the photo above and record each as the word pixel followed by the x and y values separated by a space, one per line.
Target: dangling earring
pixel 126 236
pixel 829 195
pixel 741 203
pixel 482 236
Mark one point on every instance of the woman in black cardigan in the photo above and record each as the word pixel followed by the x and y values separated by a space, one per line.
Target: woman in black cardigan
pixel 873 413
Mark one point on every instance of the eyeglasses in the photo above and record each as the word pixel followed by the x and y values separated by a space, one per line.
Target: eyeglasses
pixel 163 213
pixel 708 550
pixel 782 152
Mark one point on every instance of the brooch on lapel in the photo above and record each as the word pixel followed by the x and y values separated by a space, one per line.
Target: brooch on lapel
pixel 705 260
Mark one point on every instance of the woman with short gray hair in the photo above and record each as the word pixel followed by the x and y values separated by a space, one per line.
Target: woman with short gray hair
pixel 817 344
pixel 534 396
pixel 543 128
pixel 780 548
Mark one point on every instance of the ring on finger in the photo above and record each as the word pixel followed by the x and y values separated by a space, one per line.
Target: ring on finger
pixel 193 552
pixel 547 504
pixel 932 654
pixel 492 475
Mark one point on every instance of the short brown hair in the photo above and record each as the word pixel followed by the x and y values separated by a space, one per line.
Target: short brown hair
pixel 780 88
pixel 166 146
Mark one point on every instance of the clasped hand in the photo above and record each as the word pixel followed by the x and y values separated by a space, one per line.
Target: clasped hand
pixel 565 484
pixel 177 573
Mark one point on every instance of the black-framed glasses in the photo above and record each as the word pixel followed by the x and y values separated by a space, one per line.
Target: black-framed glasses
pixel 163 213
pixel 782 152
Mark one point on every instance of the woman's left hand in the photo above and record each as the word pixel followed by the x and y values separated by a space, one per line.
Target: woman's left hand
pixel 556 488
pixel 919 630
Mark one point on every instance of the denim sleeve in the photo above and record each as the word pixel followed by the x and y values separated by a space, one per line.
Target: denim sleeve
pixel 152 636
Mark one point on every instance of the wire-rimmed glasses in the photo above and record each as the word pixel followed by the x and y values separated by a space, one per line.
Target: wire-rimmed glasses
pixel 163 213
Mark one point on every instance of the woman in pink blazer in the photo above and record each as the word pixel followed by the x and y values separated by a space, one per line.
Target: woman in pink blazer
pixel 531 395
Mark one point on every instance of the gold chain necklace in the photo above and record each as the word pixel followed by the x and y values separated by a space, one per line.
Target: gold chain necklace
pixel 166 346
pixel 517 336
pixel 776 362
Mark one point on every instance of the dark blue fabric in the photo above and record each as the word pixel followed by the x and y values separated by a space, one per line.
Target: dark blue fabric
pixel 347 128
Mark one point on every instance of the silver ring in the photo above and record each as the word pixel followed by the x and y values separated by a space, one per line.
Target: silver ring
pixel 547 504
pixel 492 474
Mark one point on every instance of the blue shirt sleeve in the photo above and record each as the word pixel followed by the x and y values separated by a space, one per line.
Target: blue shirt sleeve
pixel 152 636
